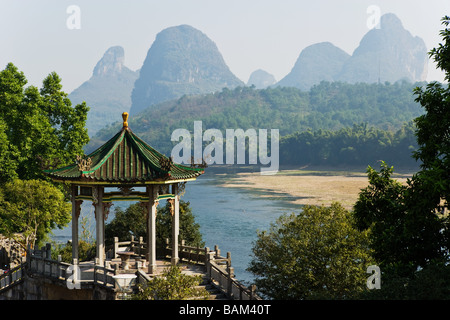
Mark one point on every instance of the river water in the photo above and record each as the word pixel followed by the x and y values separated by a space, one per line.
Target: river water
pixel 228 218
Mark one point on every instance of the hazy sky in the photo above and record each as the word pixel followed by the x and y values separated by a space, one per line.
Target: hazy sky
pixel 250 34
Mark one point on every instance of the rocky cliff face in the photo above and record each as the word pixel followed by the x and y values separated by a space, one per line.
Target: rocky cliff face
pixel 182 60
pixel 112 63
pixel 389 53
pixel 108 91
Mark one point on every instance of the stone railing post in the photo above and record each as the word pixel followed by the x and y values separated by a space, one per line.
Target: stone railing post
pixel 28 256
pixel 75 274
pixel 116 247
pixel 209 257
pixel 106 265
pixel 141 245
pixel 206 250
pixel 48 251
pixel 58 270
pixel 230 271
pixel 116 272
pixel 167 250
pixel 181 249
pixel 132 244
pixel 197 254
pixel 252 292
pixel 217 250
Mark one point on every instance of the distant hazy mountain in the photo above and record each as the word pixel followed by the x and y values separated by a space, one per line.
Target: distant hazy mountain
pixel 182 60
pixel 389 53
pixel 108 91
pixel 261 79
pixel 316 63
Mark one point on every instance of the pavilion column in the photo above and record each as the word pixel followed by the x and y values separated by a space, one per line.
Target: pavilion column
pixel 151 228
pixel 99 222
pixel 76 207
pixel 175 204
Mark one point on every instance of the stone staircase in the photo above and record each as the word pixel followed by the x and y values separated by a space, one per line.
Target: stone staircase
pixel 214 293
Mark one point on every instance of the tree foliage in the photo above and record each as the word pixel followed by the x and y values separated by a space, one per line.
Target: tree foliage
pixel 38 128
pixel 86 245
pixel 380 208
pixel 433 130
pixel 32 208
pixel 401 232
pixel 430 283
pixel 316 254
pixel 358 145
pixel 409 225
pixel 132 221
pixel 189 229
pixel 171 285
pixel 407 222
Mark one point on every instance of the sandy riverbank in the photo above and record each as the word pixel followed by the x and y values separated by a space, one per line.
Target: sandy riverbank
pixel 306 187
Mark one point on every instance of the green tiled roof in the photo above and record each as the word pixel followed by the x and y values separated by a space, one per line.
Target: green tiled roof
pixel 125 158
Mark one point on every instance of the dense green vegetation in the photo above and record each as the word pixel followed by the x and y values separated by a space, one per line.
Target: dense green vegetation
pixel 39 128
pixel 359 145
pixel 172 285
pixel 32 208
pixel 315 254
pixel 326 108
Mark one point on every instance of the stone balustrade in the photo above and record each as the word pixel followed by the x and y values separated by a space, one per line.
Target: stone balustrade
pixel 91 275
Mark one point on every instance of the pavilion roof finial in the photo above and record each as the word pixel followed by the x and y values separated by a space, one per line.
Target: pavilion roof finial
pixel 125 119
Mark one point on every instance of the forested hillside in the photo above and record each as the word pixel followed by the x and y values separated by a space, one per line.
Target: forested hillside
pixel 327 106
pixel 359 145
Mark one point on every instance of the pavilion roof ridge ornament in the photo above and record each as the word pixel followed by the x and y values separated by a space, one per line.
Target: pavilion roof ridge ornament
pixel 166 164
pixel 84 164
pixel 125 120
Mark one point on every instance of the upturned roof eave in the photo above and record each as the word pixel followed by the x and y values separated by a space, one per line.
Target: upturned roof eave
pixel 116 183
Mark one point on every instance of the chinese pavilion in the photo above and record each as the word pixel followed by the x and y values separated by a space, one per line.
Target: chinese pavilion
pixel 123 163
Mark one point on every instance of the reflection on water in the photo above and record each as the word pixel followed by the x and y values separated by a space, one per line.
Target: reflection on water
pixel 228 217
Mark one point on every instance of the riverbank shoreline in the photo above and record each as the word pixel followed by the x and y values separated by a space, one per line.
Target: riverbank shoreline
pixel 306 186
